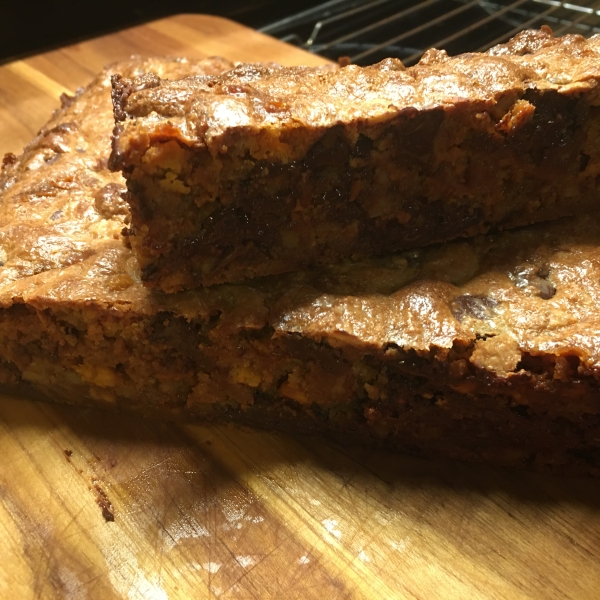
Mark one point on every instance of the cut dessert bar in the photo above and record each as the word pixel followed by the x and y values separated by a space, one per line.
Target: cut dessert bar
pixel 265 170
pixel 487 349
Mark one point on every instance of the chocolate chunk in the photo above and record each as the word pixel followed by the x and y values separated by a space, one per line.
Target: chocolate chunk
pixel 478 307
pixel 330 150
pixel 66 100
pixel 521 409
pixel 584 159
pixel 363 146
pixel 413 136
pixel 9 159
pixel 534 279
pixel 547 290
pixel 109 200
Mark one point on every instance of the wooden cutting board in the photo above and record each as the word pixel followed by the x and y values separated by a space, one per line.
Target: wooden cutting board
pixel 96 505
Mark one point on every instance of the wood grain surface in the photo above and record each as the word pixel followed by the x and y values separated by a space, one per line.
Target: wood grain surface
pixel 99 505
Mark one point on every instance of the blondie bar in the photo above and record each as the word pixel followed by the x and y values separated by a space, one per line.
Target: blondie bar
pixel 264 170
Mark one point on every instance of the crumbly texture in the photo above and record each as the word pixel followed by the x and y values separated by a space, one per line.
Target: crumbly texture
pixel 483 350
pixel 265 170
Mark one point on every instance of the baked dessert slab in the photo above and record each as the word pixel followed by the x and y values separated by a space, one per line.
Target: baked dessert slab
pixel 264 170
pixel 485 350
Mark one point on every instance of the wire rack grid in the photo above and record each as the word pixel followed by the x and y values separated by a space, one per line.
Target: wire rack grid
pixel 368 30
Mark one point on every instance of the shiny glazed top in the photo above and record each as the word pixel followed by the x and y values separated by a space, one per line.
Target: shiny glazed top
pixel 291 106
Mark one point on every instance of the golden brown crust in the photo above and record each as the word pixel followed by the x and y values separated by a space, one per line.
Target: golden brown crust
pixel 213 111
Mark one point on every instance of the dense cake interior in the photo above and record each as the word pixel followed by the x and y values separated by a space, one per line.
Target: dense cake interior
pixel 265 170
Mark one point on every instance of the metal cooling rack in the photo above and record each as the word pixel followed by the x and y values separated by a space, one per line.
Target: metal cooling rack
pixel 369 30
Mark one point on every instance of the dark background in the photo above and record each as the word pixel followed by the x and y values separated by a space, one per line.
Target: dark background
pixel 396 29
pixel 32 26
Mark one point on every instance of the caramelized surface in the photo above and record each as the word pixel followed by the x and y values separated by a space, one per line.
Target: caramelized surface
pixel 293 104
